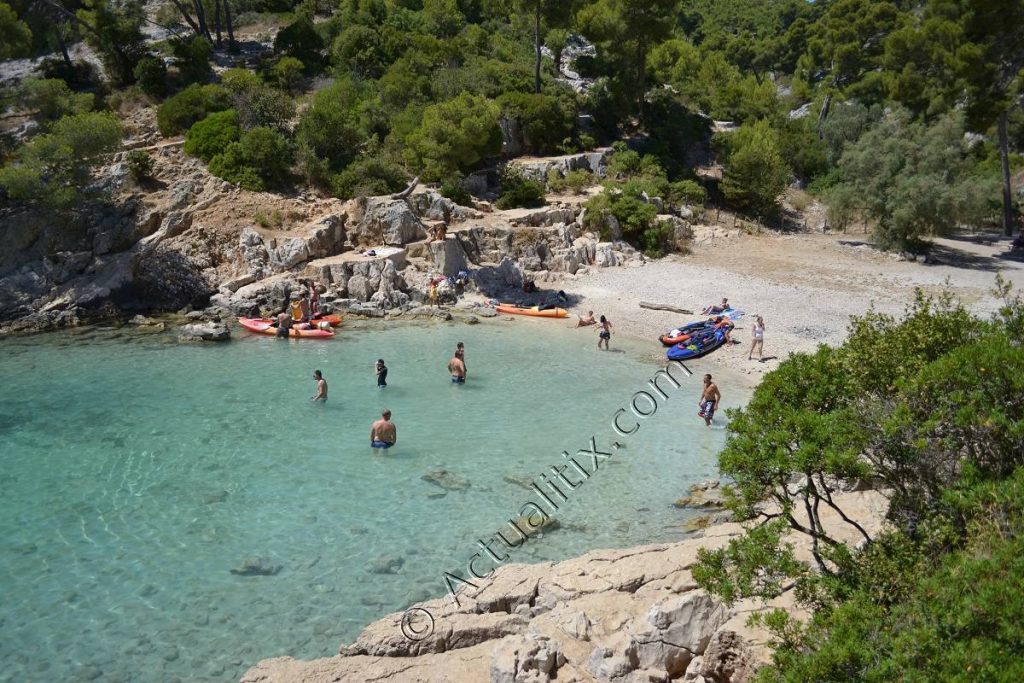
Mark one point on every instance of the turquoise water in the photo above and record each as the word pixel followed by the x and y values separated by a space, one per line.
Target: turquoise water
pixel 137 473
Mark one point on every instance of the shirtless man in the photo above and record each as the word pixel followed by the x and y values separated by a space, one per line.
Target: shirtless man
pixel 709 399
pixel 712 309
pixel 304 307
pixel 457 368
pixel 460 353
pixel 383 433
pixel 321 387
pixel 585 320
pixel 284 324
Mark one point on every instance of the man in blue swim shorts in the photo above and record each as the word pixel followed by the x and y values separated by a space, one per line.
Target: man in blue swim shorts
pixel 457 368
pixel 383 433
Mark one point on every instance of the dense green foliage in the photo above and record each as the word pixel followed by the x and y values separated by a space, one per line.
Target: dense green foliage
pixel 519 191
pixel 178 113
pixel 140 165
pixel 211 136
pixel 440 88
pixel 260 159
pixel 930 408
pixel 54 167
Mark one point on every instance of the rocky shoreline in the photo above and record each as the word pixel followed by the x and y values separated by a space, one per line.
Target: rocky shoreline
pixel 629 615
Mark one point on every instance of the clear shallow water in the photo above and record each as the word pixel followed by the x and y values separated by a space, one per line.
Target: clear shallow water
pixel 137 473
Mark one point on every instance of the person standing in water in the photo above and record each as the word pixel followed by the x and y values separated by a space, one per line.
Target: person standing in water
pixel 758 342
pixel 709 399
pixel 382 374
pixel 605 335
pixel 460 353
pixel 383 433
pixel 321 387
pixel 457 369
pixel 284 324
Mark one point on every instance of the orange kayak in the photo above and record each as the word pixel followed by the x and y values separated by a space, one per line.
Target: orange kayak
pixel 534 311
pixel 265 327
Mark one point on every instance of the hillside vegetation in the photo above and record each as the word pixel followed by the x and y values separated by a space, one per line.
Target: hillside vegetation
pixel 902 114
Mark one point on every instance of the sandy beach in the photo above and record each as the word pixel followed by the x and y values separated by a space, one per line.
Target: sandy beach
pixel 805 286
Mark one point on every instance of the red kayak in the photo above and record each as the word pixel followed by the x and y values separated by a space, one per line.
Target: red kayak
pixel 264 326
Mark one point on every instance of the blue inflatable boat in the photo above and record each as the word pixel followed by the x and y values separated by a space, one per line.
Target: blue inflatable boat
pixel 697 346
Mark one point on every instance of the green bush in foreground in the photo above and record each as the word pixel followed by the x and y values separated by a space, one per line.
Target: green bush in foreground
pixel 518 191
pixel 454 137
pixel 368 176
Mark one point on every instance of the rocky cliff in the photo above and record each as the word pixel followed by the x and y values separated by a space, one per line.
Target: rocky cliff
pixel 626 615
pixel 188 240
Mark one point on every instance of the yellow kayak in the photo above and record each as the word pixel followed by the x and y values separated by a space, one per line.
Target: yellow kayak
pixel 534 311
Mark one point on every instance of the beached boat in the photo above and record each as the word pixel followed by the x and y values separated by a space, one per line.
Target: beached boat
pixel 535 311
pixel 263 326
pixel 697 346
pixel 684 332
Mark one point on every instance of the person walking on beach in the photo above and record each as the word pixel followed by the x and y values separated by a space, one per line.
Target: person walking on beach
pixel 284 324
pixel 709 399
pixel 382 374
pixel 383 433
pixel 457 369
pixel 758 342
pixel 321 387
pixel 605 335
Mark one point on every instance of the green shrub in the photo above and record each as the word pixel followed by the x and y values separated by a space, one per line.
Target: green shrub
pixel 626 163
pixel 301 41
pixel 178 113
pixel 574 181
pixel 634 216
pixel 453 190
pixel 51 98
pixel 151 76
pixel 658 240
pixel 328 133
pixel 368 176
pixel 287 74
pixel 755 174
pixel 261 158
pixel 211 136
pixel 192 57
pixel 543 120
pixel 454 137
pixel 518 191
pixel 258 105
pixel 140 165
pixel 688 192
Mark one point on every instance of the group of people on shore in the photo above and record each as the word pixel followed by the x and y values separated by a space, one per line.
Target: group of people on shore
pixel 757 329
pixel 300 312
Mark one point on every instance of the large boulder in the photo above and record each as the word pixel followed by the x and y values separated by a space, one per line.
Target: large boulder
pixel 448 255
pixel 389 221
pixel 595 162
pixel 604 255
pixel 680 627
pixel 288 253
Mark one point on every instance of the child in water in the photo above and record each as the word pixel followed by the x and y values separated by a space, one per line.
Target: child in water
pixel 382 374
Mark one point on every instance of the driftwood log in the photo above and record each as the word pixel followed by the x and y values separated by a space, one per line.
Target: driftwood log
pixel 408 189
pixel 665 307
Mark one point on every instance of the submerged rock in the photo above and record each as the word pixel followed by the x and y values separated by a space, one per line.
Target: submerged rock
pixel 204 332
pixel 386 565
pixel 256 566
pixel 447 480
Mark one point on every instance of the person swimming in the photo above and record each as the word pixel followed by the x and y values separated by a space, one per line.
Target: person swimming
pixel 383 433
pixel 457 369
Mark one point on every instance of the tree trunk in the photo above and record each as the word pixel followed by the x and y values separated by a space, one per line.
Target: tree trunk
pixel 536 41
pixel 1004 162
pixel 823 114
pixel 201 18
pixel 216 20
pixel 186 16
pixel 230 26
pixel 641 77
pixel 59 33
